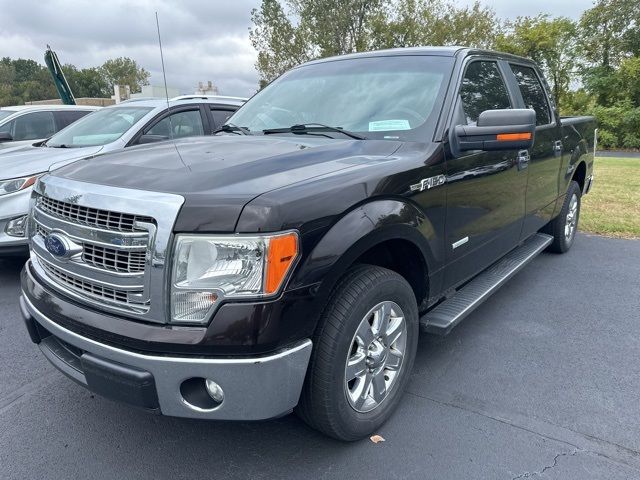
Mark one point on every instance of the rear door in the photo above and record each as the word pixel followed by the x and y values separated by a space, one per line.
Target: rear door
pixel 485 190
pixel 546 153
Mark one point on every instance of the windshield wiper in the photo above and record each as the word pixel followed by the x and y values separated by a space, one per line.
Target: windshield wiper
pixel 62 145
pixel 311 128
pixel 231 128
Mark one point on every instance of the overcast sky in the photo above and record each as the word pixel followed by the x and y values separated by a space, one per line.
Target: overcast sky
pixel 202 39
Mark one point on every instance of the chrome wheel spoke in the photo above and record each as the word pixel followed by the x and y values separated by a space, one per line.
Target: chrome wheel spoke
pixel 356 366
pixel 394 360
pixel 381 318
pixel 394 331
pixel 365 333
pixel 362 390
pixel 378 387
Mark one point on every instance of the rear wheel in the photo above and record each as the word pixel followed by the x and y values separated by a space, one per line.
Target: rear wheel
pixel 565 225
pixel 363 354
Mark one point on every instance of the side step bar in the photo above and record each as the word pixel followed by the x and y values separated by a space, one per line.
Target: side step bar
pixel 449 313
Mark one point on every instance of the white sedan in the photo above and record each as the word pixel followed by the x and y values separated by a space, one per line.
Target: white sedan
pixel 130 123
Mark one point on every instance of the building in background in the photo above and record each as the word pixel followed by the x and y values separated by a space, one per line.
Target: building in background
pixel 96 102
pixel 208 89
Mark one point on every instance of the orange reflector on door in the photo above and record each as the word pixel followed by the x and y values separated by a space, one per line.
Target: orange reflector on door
pixel 510 137
pixel 283 250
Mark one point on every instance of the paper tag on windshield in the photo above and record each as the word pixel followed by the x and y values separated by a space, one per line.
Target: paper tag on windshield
pixel 389 125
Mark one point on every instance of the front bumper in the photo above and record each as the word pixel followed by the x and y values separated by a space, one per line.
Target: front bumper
pixel 255 388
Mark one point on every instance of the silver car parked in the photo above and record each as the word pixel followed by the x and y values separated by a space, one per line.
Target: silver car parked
pixel 130 123
pixel 26 124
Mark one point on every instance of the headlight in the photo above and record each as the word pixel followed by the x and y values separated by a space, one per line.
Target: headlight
pixel 16 184
pixel 208 269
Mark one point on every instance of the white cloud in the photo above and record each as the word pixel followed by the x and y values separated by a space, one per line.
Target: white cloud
pixel 203 40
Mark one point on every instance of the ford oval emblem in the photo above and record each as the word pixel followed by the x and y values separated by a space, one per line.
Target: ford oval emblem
pixel 55 245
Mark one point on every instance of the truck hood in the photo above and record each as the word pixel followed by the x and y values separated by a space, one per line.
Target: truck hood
pixel 218 175
pixel 29 160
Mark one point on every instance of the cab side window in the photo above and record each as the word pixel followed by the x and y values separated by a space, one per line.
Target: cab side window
pixel 532 93
pixel 482 88
pixel 33 126
pixel 182 124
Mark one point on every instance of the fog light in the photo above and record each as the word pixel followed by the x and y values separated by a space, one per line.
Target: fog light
pixel 17 227
pixel 214 390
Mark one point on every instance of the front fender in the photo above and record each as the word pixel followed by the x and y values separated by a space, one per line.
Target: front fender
pixel 356 232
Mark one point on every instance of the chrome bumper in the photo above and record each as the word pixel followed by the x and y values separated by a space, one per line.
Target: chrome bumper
pixel 255 388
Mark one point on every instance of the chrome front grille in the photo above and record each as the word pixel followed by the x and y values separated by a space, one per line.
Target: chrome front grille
pixel 86 287
pixel 110 252
pixel 103 246
pixel 108 258
pixel 95 217
pixel 113 259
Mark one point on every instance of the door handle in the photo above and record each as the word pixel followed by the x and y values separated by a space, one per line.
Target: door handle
pixel 523 159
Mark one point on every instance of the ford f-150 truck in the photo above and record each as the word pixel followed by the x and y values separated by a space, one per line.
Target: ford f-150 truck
pixel 290 260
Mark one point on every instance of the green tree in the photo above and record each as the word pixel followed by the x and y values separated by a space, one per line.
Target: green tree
pixel 87 82
pixel 280 44
pixel 609 34
pixel 551 42
pixel 409 23
pixel 610 31
pixel 124 71
pixel 293 31
pixel 337 27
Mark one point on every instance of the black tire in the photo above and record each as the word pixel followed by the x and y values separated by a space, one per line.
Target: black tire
pixel 324 403
pixel 561 242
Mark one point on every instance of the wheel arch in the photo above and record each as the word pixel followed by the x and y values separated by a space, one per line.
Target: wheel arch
pixel 386 233
pixel 580 174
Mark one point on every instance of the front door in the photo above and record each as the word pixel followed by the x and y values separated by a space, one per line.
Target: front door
pixel 485 190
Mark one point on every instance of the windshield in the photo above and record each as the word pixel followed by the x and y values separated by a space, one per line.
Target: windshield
pixel 396 97
pixel 6 113
pixel 99 128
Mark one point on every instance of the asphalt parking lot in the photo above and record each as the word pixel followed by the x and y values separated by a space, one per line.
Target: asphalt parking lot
pixel 541 381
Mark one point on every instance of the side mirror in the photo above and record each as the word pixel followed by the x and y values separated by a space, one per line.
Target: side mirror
pixel 5 137
pixel 148 138
pixel 508 129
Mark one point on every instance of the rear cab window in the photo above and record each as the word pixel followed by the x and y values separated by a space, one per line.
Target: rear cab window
pixel 533 93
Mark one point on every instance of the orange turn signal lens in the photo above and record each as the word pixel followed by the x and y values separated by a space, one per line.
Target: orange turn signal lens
pixel 511 137
pixel 283 250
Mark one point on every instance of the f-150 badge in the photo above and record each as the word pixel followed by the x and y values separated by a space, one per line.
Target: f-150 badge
pixel 427 183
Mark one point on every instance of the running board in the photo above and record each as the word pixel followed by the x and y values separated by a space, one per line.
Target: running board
pixel 449 313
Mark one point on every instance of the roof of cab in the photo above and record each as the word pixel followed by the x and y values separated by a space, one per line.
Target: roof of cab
pixel 444 51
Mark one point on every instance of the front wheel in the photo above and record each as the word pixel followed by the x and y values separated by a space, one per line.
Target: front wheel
pixel 363 354
pixel 565 225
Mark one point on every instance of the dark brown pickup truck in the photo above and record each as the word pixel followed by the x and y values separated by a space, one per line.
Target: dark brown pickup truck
pixel 290 260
